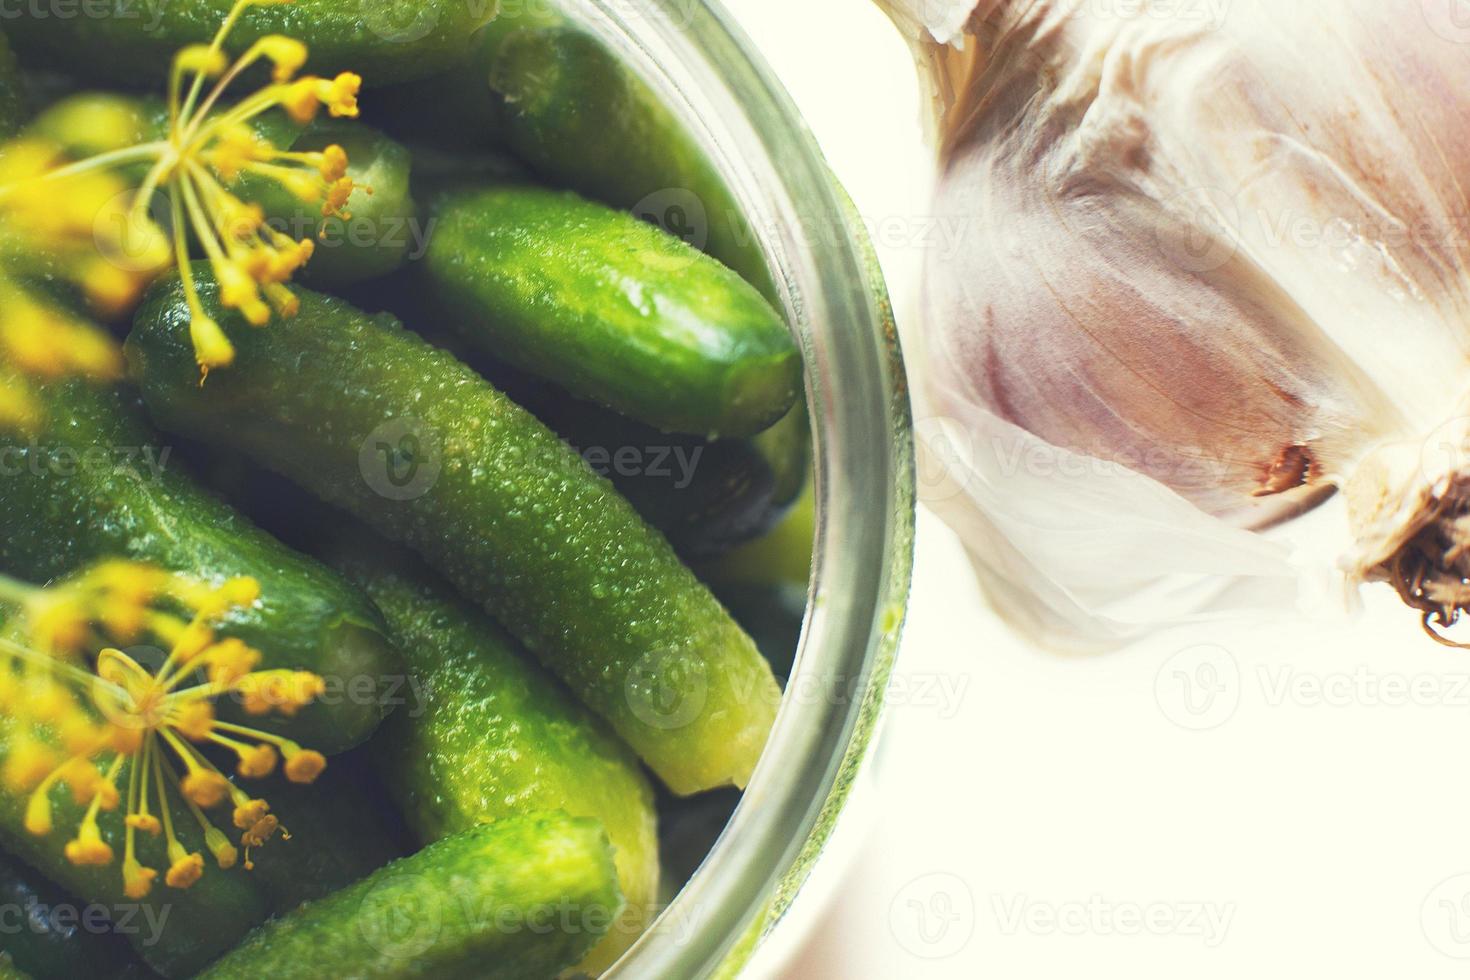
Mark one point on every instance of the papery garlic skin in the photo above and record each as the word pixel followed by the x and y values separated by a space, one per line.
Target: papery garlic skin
pixel 1225 246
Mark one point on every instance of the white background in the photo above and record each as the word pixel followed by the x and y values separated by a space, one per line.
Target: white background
pixel 1041 816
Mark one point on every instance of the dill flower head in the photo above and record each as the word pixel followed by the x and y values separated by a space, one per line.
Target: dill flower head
pixel 210 148
pixel 75 231
pixel 118 735
pixel 90 218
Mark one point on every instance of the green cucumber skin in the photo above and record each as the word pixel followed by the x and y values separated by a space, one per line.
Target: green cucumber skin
pixel 382 230
pixel 612 309
pixel 564 103
pixel 43 944
pixel 514 518
pixel 774 615
pixel 12 92
pixel 194 926
pixel 131 44
pixel 486 904
pixel 582 119
pixel 706 496
pixel 57 517
pixel 495 736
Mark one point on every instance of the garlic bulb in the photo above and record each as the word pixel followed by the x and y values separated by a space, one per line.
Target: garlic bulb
pixel 1216 267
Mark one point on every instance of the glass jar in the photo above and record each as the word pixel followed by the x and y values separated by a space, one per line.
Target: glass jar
pixel 827 279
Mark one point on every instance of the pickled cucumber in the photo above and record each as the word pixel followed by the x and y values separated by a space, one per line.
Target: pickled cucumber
pixel 489 735
pixel 98 484
pixel 526 897
pixel 374 420
pixel 130 43
pixel 611 309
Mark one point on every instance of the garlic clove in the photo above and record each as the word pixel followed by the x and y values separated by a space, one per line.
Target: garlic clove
pixel 1117 325
pixel 1226 245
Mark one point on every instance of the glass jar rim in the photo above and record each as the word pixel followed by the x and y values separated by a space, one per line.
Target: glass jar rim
pixel 710 77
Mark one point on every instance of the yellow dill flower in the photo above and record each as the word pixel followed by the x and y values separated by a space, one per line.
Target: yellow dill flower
pixel 65 234
pixel 73 222
pixel 208 148
pixel 85 726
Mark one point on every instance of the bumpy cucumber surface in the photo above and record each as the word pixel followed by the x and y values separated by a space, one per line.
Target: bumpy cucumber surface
pixel 487 734
pixel 567 105
pixel 574 111
pixel 523 898
pixel 374 420
pixel 773 614
pixel 612 309
pixel 130 43
pixel 707 496
pixel 98 484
